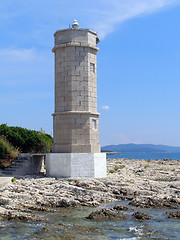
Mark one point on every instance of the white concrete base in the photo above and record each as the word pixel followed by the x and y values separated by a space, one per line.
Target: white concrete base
pixel 92 165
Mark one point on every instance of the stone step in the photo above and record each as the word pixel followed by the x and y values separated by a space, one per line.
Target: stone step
pixel 22 159
pixel 24 165
pixel 19 160
pixel 18 163
pixel 9 172
pixel 15 166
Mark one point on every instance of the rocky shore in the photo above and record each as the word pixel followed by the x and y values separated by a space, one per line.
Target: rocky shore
pixel 144 183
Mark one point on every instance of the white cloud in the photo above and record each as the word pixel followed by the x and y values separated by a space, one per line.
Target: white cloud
pixel 18 54
pixel 21 98
pixel 25 75
pixel 115 12
pixel 25 66
pixel 103 16
pixel 106 108
pixel 24 97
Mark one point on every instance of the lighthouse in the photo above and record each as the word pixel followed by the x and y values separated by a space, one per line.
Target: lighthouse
pixel 76 149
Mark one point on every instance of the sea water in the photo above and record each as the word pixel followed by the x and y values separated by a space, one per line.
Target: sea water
pixel 145 156
pixel 71 223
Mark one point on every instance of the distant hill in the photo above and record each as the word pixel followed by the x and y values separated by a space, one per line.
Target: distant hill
pixel 148 148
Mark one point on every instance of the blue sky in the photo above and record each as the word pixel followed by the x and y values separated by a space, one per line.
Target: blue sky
pixel 138 65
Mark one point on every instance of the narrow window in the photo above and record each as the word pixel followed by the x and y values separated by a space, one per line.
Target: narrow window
pixel 92 67
pixel 94 124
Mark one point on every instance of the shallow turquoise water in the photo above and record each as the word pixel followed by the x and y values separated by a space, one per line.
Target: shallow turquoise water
pixel 70 223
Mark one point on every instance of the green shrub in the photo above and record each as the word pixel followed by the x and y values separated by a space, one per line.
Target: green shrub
pixel 13 180
pixel 28 141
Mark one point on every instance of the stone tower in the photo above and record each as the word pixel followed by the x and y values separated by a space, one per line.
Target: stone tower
pixel 76 150
pixel 76 121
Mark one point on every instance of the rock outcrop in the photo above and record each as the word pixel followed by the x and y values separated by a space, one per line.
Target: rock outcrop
pixel 144 183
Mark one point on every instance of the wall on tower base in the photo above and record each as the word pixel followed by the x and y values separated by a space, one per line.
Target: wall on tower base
pixel 72 165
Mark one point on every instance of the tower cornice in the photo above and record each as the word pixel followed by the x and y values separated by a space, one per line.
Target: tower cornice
pixel 74 44
pixel 71 29
pixel 75 113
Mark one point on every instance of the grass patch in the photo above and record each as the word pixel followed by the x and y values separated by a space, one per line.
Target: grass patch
pixel 116 168
pixel 111 171
pixel 118 162
pixel 130 181
pixel 9 149
pixel 122 166
pixel 161 180
pixel 119 167
pixel 146 166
